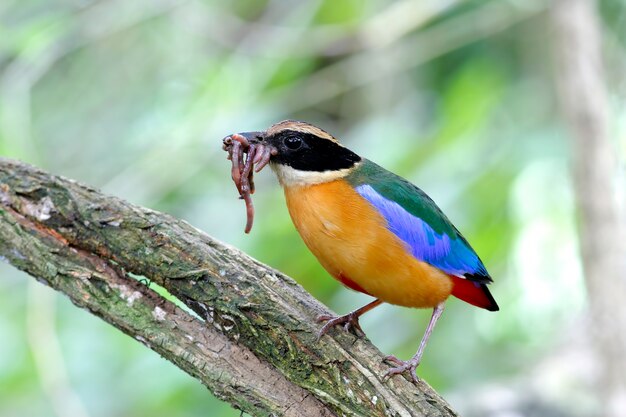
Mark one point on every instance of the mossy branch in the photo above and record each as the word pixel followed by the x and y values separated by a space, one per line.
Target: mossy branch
pixel 252 339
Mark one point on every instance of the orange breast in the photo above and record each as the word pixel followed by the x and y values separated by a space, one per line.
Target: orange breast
pixel 351 241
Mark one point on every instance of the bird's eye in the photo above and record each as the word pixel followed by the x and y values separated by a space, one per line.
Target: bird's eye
pixel 293 142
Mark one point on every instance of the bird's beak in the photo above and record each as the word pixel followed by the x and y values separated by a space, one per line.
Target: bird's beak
pixel 253 137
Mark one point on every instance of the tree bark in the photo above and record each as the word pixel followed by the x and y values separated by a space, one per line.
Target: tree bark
pixel 586 109
pixel 245 331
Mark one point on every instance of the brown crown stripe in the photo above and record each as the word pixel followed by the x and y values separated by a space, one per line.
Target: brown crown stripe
pixel 298 126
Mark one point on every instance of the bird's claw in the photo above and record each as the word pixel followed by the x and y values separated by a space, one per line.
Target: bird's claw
pixel 394 359
pixel 349 321
pixel 403 366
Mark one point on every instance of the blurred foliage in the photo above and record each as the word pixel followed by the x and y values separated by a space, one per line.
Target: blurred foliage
pixel 135 96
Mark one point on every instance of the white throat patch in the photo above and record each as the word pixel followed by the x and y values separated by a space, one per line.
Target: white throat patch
pixel 289 177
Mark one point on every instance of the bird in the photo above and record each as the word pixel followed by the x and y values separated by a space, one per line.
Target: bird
pixel 372 230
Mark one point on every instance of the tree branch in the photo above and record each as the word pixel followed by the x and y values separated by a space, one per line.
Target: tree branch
pixel 252 339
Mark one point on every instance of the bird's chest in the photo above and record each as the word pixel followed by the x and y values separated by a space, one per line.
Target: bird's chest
pixel 328 216
pixel 346 234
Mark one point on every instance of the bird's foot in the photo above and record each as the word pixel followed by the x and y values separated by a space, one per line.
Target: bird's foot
pixel 349 321
pixel 403 366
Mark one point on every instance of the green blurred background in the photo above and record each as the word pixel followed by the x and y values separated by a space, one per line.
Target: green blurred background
pixel 457 96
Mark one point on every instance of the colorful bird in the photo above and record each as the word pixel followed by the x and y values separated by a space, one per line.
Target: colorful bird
pixel 370 229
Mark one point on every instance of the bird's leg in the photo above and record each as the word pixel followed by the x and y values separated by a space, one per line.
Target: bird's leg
pixel 350 320
pixel 412 364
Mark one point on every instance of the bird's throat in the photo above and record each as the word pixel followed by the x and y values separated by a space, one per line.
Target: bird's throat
pixel 291 177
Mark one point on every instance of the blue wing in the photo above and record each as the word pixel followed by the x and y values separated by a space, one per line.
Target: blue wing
pixel 449 252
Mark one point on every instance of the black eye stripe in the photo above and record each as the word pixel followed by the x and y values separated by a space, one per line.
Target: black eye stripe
pixel 311 152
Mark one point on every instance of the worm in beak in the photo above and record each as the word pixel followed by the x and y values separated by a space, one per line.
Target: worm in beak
pixel 248 155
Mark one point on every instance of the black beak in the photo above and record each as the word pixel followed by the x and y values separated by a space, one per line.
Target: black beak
pixel 253 137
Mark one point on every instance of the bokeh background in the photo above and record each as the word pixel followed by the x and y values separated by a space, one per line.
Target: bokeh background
pixel 458 96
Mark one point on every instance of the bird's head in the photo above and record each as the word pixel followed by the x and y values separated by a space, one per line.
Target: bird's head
pixel 303 154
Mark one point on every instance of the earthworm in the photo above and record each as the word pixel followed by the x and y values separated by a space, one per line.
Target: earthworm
pixel 242 171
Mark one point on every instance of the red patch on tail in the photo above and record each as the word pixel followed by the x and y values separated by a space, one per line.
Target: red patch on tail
pixel 473 293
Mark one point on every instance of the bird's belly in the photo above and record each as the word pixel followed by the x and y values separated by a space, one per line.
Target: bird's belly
pixel 351 241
